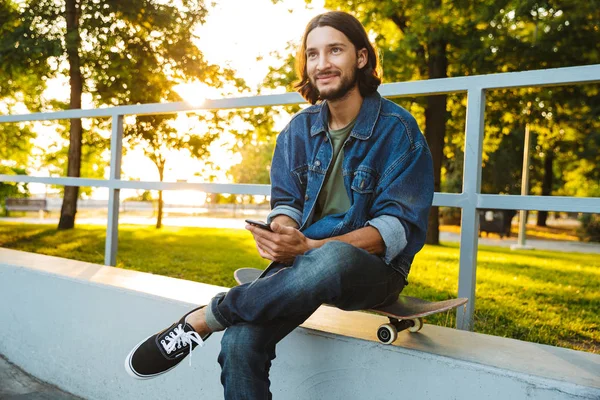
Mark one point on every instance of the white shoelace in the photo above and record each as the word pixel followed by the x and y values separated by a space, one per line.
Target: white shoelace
pixel 177 338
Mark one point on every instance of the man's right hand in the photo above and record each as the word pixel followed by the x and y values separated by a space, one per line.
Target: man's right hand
pixel 282 244
pixel 285 221
pixel 280 222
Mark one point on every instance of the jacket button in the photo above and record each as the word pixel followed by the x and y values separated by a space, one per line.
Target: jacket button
pixel 305 197
pixel 317 163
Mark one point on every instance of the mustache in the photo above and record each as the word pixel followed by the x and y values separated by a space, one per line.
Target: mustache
pixel 326 74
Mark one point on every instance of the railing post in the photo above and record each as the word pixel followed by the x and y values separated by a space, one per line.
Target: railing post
pixel 112 227
pixel 469 231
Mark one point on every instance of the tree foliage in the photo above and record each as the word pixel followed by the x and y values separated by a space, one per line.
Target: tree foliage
pixel 94 157
pixel 120 53
pixel 427 39
pixel 256 163
pixel 11 189
pixel 156 135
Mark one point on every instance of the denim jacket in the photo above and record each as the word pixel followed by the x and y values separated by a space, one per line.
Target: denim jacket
pixel 387 170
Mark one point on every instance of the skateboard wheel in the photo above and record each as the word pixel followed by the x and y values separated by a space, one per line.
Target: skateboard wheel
pixel 418 324
pixel 387 333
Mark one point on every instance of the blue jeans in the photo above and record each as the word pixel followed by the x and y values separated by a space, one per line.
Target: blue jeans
pixel 259 314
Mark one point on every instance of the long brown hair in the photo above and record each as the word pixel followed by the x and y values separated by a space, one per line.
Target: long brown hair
pixel 368 77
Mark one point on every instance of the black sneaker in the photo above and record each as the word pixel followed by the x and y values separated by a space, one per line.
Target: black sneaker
pixel 163 351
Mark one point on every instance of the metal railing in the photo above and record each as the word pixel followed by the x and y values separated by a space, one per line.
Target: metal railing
pixel 470 200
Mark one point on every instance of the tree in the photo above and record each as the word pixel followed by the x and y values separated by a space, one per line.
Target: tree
pixel 23 55
pixel 428 39
pixel 120 52
pixel 422 39
pixel 16 142
pixel 11 189
pixel 72 47
pixel 156 136
pixel 551 34
pixel 94 157
pixel 21 62
pixel 256 164
pixel 256 144
pixel 16 138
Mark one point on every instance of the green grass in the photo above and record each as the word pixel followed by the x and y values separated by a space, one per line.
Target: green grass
pixel 539 296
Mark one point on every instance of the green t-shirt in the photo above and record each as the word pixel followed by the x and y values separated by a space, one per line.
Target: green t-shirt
pixel 333 197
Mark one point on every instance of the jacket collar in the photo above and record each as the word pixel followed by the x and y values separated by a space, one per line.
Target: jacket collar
pixel 365 122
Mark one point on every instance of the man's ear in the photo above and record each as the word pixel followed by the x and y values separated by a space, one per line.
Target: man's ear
pixel 362 58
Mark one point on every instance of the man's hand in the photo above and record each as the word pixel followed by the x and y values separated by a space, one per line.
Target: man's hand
pixel 284 244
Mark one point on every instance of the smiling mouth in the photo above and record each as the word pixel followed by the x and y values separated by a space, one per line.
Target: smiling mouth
pixel 326 77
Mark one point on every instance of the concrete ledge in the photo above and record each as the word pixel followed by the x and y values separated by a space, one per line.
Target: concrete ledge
pixel 72 323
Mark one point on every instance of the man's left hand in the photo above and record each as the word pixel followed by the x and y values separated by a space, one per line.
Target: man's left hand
pixel 284 244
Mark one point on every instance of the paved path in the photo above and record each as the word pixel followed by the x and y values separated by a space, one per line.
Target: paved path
pixel 537 244
pixel 238 223
pixel 15 384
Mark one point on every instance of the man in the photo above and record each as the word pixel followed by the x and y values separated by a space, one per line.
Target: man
pixel 352 184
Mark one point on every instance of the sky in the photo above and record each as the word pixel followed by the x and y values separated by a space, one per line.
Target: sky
pixel 238 31
pixel 235 34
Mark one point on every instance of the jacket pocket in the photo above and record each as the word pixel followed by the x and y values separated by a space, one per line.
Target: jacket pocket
pixel 363 182
pixel 301 173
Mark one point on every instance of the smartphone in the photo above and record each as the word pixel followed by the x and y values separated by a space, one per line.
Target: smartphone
pixel 260 224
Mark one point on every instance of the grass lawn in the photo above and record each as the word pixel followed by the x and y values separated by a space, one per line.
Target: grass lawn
pixel 539 296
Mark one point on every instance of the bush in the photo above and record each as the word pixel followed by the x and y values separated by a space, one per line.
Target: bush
pixel 146 195
pixel 11 189
pixel 590 228
pixel 450 216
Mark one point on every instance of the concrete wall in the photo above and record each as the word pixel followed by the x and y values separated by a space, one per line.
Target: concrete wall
pixel 72 324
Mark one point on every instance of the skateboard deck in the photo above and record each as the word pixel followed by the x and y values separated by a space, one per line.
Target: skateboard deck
pixel 406 313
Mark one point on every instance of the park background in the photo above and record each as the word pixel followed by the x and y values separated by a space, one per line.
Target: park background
pixel 112 53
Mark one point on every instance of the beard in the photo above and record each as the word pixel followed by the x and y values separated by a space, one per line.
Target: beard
pixel 332 94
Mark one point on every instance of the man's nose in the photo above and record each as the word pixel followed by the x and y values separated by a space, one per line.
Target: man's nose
pixel 323 63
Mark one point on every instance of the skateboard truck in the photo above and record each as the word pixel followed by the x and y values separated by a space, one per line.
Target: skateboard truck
pixel 388 333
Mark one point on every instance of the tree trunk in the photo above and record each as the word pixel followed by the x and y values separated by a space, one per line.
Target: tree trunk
pixel 435 129
pixel 73 41
pixel 160 210
pixel 161 171
pixel 546 185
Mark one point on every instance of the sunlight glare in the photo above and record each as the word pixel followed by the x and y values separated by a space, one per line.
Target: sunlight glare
pixel 191 93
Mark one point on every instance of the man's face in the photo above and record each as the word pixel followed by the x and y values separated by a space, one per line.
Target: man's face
pixel 332 62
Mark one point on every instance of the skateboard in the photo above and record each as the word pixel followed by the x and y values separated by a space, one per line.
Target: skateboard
pixel 405 314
